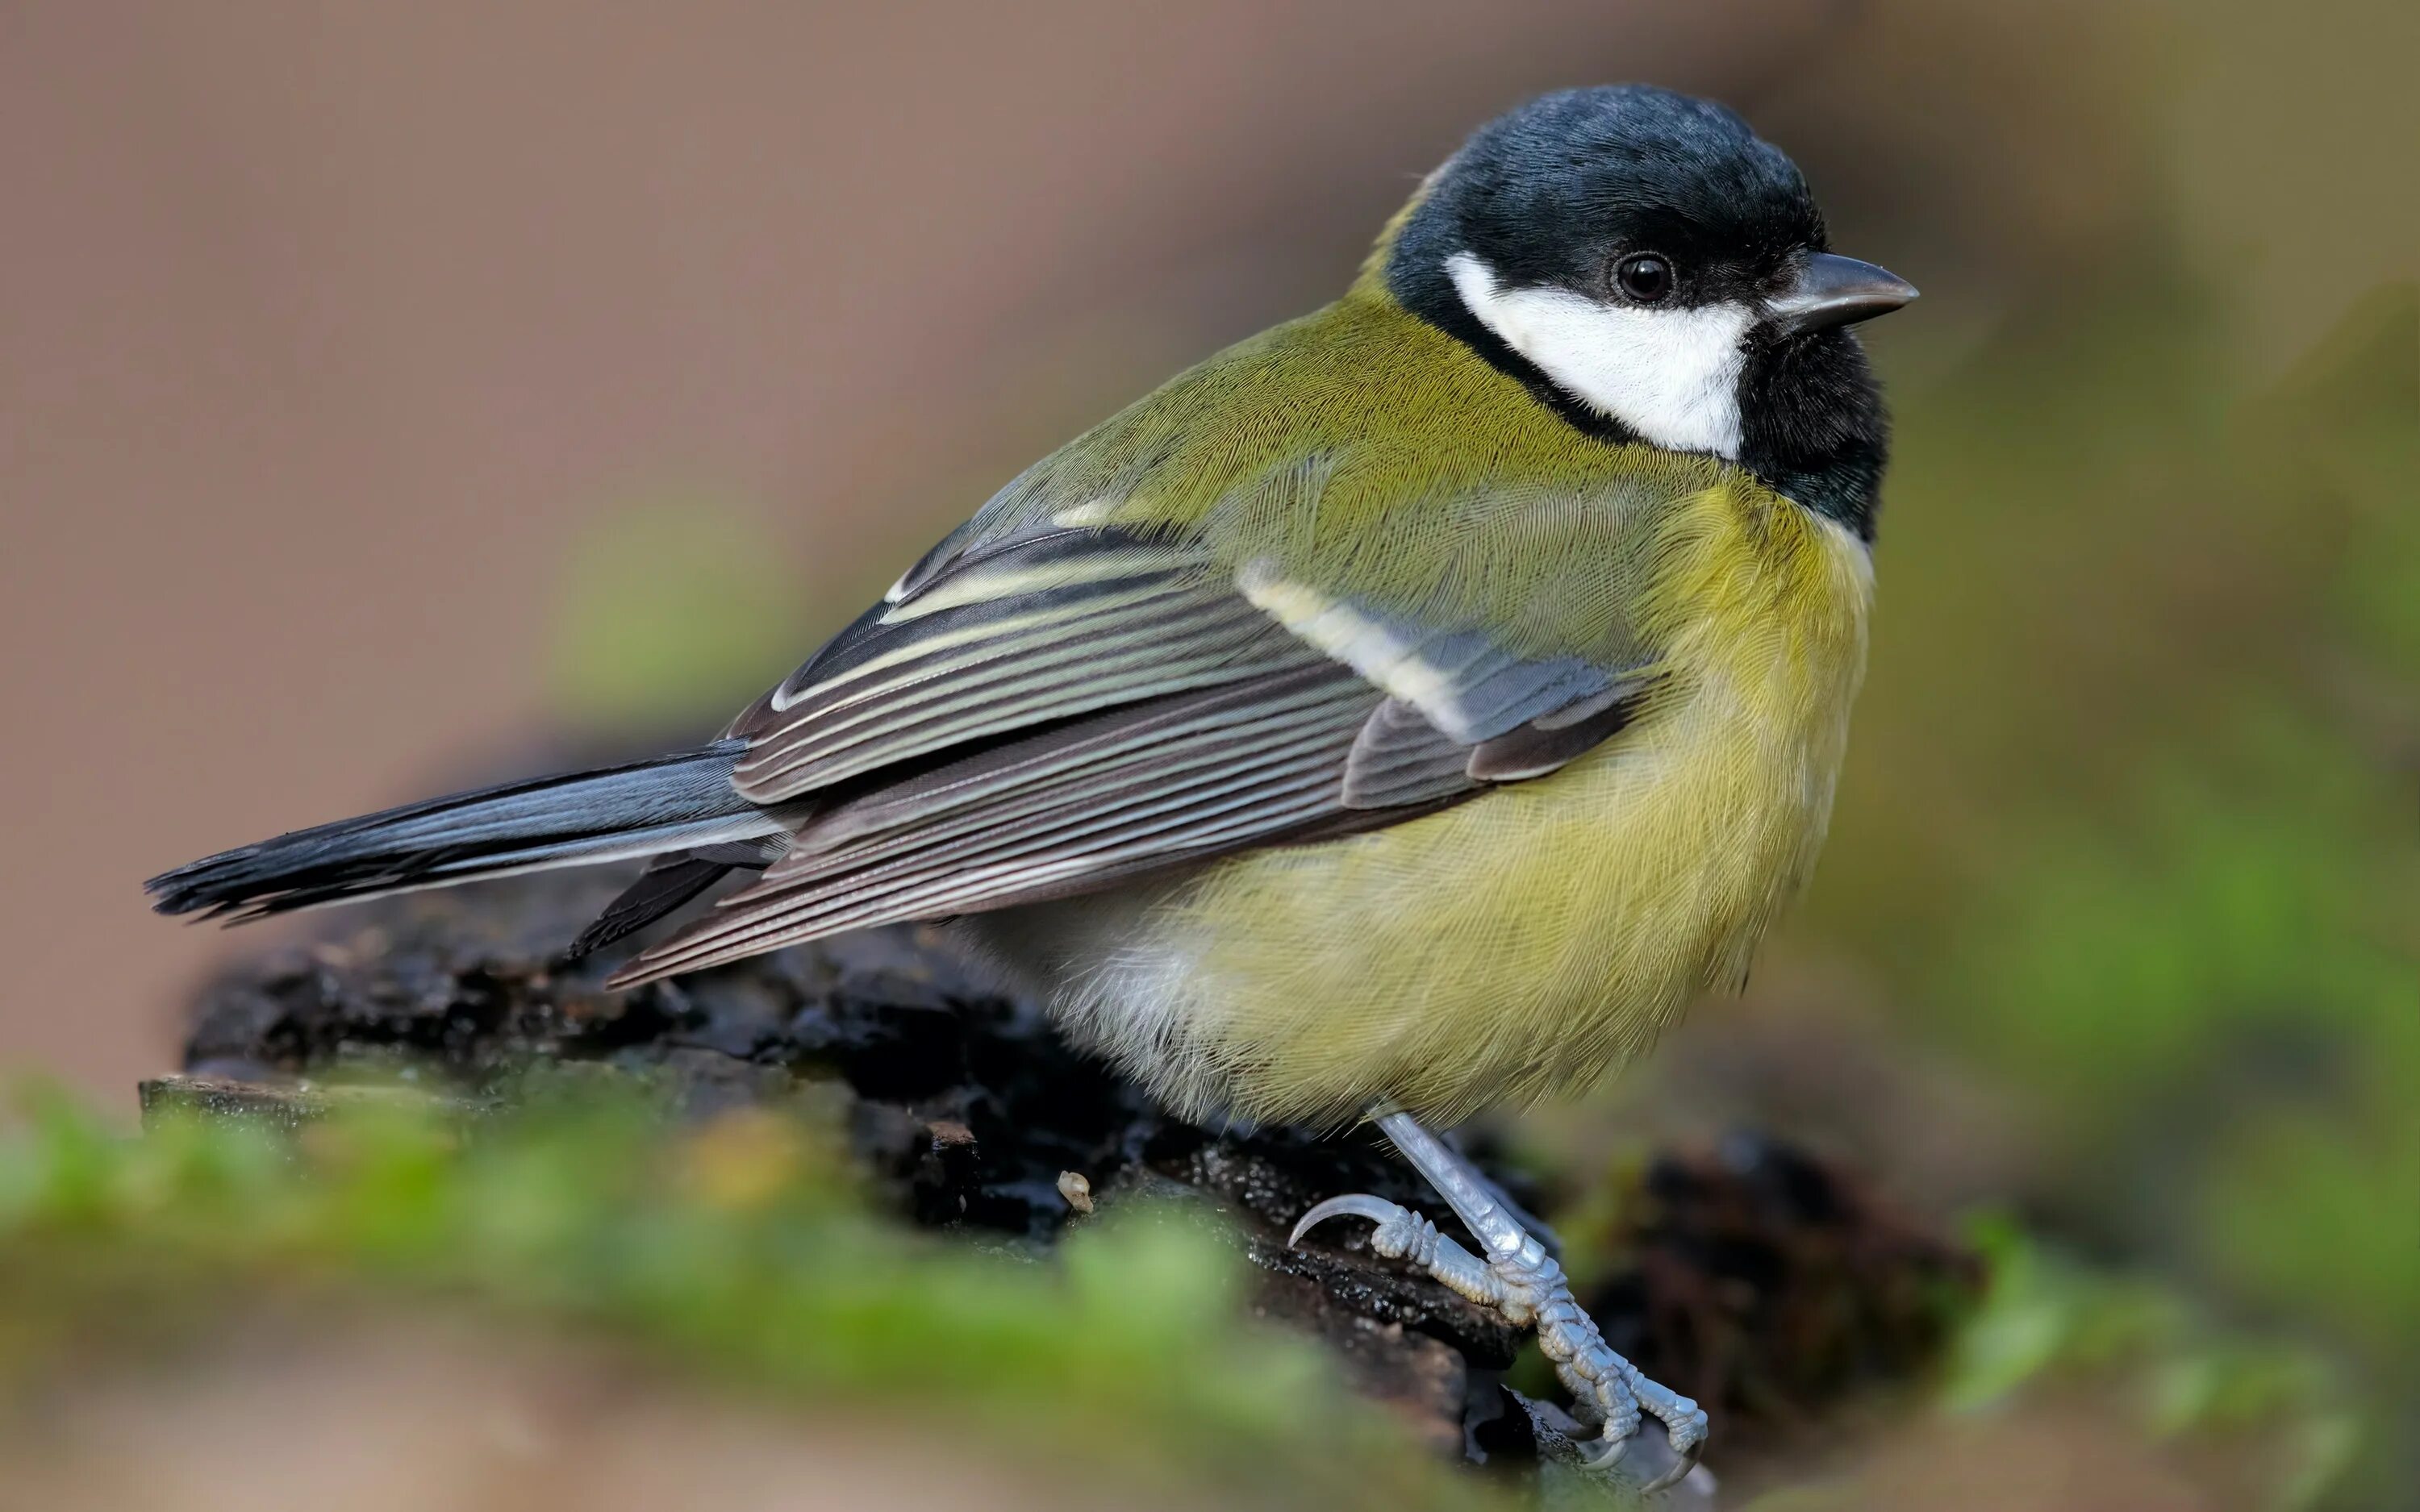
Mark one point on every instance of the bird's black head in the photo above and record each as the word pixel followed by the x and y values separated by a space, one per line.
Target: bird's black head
pixel 1658 273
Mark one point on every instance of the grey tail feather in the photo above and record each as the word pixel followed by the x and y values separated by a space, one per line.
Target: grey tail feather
pixel 646 808
pixel 668 884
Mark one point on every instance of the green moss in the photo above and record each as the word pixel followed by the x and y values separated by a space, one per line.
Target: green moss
pixel 737 1249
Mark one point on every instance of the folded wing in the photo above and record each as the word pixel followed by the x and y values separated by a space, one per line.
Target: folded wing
pixel 1043 714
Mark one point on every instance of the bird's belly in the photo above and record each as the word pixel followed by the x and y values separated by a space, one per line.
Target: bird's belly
pixel 1520 944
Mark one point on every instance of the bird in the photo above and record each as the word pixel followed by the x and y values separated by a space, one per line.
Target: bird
pixel 1404 713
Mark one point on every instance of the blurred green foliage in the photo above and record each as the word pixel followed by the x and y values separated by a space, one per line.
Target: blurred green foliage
pixel 2047 1318
pixel 2135 822
pixel 736 1248
pixel 2167 888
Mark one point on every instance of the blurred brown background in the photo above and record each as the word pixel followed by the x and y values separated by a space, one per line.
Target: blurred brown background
pixel 326 332
pixel 329 334
pixel 388 391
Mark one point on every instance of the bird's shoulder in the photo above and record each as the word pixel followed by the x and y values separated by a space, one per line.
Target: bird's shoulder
pixel 1362 450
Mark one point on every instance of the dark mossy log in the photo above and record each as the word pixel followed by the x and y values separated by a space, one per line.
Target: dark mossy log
pixel 968 1112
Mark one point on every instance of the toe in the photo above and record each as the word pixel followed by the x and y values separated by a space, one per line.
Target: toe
pixel 1685 1421
pixel 1688 1430
pixel 1684 1428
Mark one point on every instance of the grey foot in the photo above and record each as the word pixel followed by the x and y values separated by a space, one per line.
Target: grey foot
pixel 1521 1282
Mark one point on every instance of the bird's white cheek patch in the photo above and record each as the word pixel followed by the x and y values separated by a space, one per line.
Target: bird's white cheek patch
pixel 1671 376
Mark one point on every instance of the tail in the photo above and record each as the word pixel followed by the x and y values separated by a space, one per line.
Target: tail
pixel 618 813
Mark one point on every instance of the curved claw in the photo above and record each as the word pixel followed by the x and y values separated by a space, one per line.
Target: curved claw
pixel 1614 1450
pixel 1685 1462
pixel 1356 1205
pixel 1679 1473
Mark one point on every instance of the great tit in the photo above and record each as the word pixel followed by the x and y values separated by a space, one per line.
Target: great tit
pixel 1406 712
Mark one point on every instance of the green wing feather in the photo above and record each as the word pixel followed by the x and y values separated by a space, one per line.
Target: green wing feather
pixel 1195 631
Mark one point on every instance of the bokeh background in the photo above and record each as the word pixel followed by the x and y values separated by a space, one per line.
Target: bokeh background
pixel 384 387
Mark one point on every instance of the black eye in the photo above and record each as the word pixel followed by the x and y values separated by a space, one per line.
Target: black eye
pixel 1645 277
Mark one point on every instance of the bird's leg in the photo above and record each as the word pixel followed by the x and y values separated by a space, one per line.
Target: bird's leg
pixel 1520 1280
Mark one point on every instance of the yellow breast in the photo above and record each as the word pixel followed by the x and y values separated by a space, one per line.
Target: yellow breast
pixel 1527 941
